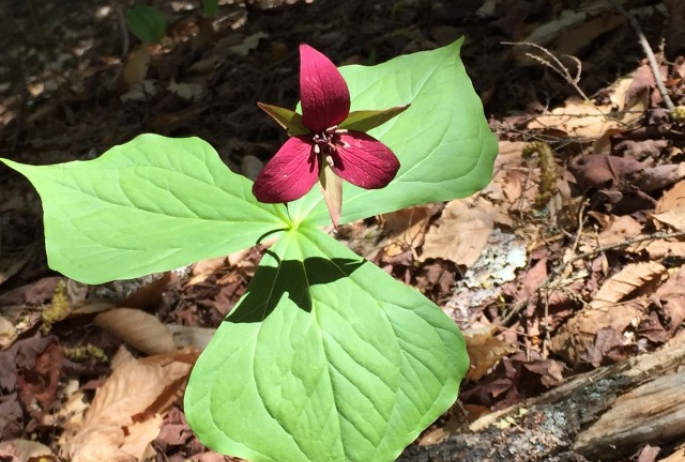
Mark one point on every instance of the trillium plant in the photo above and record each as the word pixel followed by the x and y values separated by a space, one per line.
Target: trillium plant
pixel 326 358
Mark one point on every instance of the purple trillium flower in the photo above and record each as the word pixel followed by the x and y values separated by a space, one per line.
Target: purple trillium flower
pixel 325 138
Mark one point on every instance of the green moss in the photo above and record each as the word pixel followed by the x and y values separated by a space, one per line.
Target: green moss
pixel 83 352
pixel 548 174
pixel 58 309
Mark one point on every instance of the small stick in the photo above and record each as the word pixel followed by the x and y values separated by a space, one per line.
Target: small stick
pixel 648 52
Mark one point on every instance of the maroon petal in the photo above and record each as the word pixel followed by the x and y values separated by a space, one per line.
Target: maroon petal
pixel 324 93
pixel 289 175
pixel 364 161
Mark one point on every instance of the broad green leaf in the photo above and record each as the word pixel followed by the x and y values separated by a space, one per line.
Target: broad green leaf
pixel 147 23
pixel 364 121
pixel 442 140
pixel 325 359
pixel 149 205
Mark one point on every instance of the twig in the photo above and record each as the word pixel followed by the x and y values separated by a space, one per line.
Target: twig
pixel 646 47
pixel 559 270
pixel 556 65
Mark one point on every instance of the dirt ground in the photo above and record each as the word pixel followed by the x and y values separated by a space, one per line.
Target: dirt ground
pixel 581 261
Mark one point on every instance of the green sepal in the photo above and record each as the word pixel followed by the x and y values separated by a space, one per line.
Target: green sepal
pixel 290 120
pixel 363 121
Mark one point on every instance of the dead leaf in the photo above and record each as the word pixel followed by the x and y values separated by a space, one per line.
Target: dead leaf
pixel 600 171
pixel 407 227
pixel 189 91
pixel 37 386
pixel 191 336
pixel 149 295
pixel 108 430
pixel 661 176
pixel 248 44
pixel 659 249
pixel 671 297
pixel 136 66
pixel 670 209
pixel 630 279
pixel 620 229
pixel 464 230
pixel 551 371
pixel 26 450
pixel 574 338
pixel 205 268
pixel 8 334
pixel 485 352
pixel 141 330
pixel 577 118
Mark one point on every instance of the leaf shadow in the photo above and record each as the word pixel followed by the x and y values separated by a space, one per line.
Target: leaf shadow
pixel 292 278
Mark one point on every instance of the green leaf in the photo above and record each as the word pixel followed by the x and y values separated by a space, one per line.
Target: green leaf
pixel 149 205
pixel 364 121
pixel 147 23
pixel 210 8
pixel 326 359
pixel 442 141
pixel 290 120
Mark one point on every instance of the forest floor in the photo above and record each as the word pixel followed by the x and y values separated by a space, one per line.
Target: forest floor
pixel 571 259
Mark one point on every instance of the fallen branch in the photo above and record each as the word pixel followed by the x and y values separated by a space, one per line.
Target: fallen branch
pixel 604 414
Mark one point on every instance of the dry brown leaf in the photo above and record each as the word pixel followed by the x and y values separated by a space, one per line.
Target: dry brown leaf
pixel 189 91
pixel 136 66
pixel 464 230
pixel 26 450
pixel 577 118
pixel 8 333
pixel 150 295
pixel 138 329
pixel 511 175
pixel 661 176
pixel 140 435
pixel 658 249
pixel 485 352
pixel 191 336
pixel 578 38
pixel 205 268
pixel 630 279
pixel 619 230
pixel 551 30
pixel 108 429
pixel 408 226
pixel 672 199
pixel 573 338
pixel 671 207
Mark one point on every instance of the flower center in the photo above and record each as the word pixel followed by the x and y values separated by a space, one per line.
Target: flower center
pixel 327 142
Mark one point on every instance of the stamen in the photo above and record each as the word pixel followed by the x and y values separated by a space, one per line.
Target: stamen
pixel 341 131
pixel 329 161
pixel 317 149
